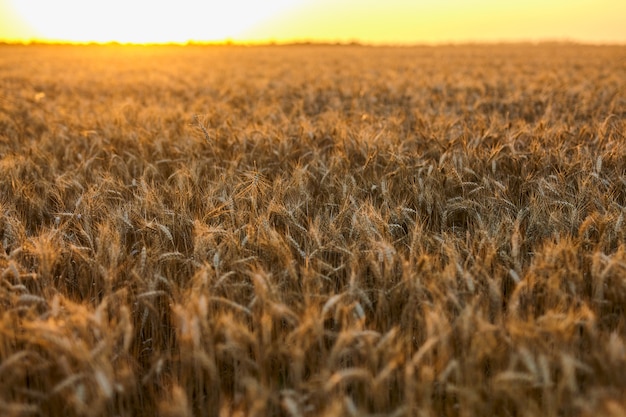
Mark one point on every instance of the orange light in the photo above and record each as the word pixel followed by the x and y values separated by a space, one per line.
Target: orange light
pixel 368 21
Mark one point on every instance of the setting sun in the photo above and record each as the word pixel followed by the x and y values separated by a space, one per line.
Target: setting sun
pixel 143 21
pixel 365 21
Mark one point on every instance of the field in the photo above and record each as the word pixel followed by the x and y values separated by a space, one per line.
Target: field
pixel 313 231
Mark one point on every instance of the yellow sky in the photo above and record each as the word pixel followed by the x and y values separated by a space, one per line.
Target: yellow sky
pixel 368 21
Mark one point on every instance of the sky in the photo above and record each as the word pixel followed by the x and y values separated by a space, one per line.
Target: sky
pixel 365 21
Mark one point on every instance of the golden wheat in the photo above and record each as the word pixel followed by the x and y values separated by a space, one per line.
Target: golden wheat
pixel 312 230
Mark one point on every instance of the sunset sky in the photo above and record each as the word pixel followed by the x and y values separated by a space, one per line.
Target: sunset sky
pixel 366 21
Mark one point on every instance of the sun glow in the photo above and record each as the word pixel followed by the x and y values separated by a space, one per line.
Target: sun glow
pixel 366 21
pixel 144 21
pixel 441 21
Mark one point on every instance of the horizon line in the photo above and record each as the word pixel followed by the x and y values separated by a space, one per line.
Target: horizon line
pixel 307 42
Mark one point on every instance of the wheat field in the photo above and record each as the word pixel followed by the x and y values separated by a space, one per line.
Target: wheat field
pixel 313 230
